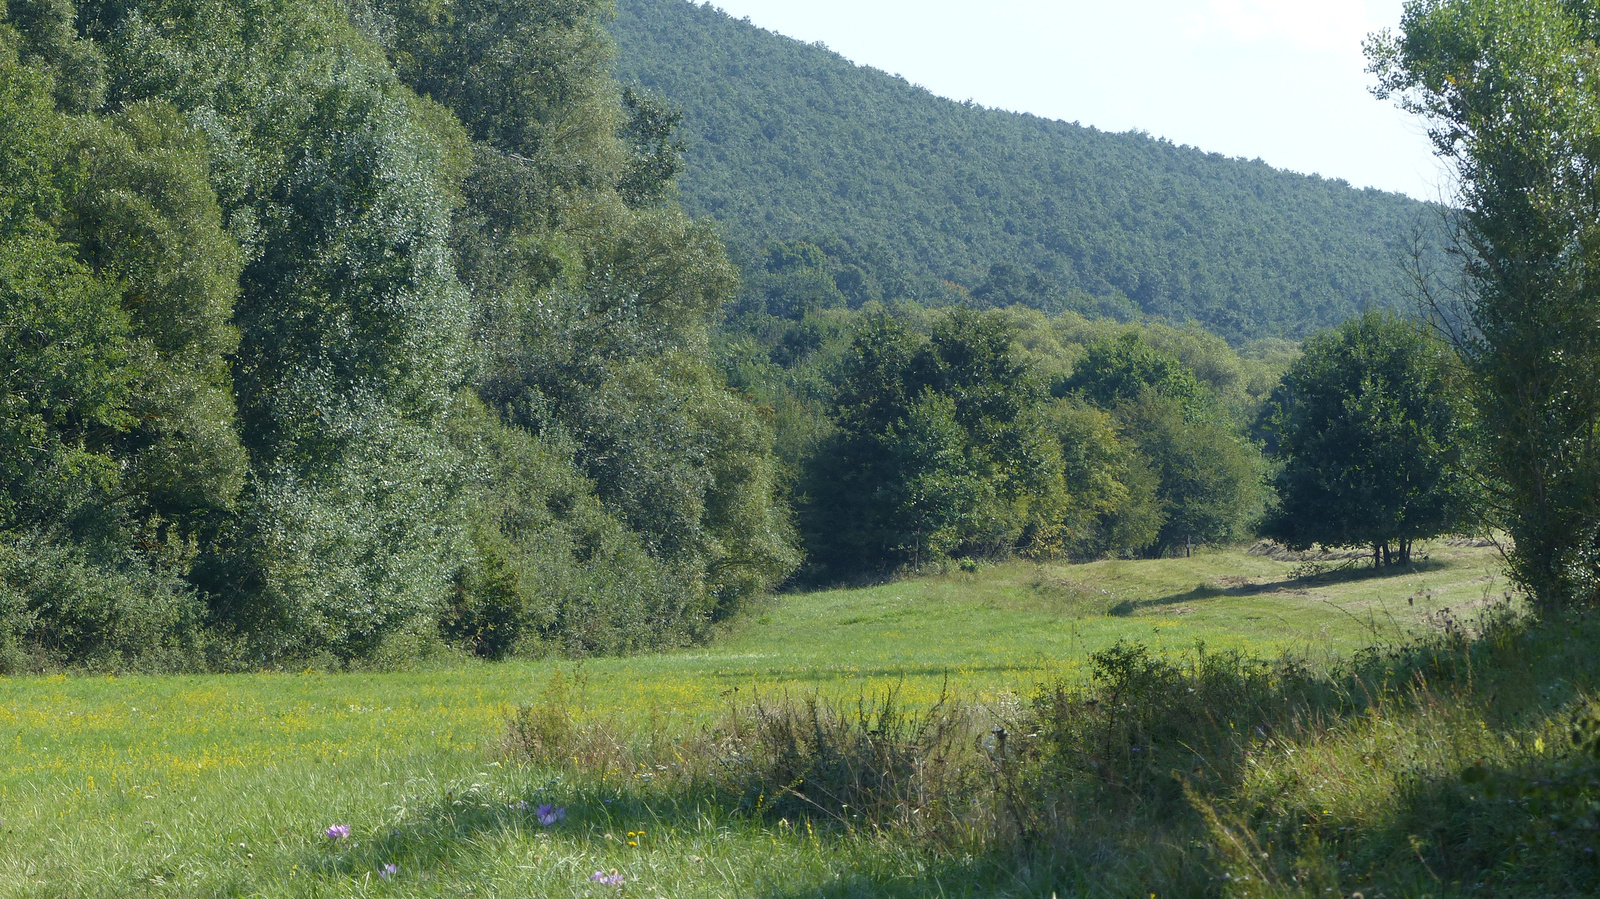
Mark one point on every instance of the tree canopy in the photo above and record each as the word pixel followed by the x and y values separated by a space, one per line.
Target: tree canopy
pixel 1369 426
pixel 329 325
pixel 911 435
pixel 332 330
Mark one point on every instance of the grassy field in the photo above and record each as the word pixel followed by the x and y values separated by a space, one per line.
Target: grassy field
pixel 224 785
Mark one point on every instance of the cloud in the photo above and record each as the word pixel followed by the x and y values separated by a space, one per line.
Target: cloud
pixel 1323 25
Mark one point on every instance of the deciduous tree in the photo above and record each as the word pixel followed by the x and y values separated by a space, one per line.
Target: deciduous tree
pixel 1369 430
pixel 1508 91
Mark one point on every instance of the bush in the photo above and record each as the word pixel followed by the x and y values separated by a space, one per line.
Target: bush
pixel 551 567
pixel 1464 762
pixel 1145 726
pixel 60 609
pixel 873 763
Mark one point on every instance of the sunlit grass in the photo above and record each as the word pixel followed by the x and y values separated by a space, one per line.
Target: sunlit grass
pixel 222 785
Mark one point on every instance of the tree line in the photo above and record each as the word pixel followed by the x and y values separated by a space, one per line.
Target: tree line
pixel 333 332
pixel 912 435
pixel 328 328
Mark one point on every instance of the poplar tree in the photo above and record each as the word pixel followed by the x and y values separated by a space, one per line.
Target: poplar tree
pixel 1508 90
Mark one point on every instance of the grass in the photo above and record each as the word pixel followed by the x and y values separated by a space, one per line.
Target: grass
pixel 222 785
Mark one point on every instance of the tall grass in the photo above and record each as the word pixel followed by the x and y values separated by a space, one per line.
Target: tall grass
pixel 876 763
pixel 1463 763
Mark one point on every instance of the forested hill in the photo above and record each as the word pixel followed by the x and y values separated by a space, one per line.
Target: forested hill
pixel 789 141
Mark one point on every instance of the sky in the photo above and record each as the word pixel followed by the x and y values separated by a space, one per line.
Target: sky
pixel 1280 80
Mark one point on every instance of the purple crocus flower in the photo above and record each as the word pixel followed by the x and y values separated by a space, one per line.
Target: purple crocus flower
pixel 549 814
pixel 388 871
pixel 337 832
pixel 613 879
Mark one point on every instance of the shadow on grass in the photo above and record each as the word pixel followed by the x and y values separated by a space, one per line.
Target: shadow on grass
pixel 441 836
pixel 1471 829
pixel 1342 575
pixel 1475 842
pixel 1490 779
pixel 994 876
pixel 440 841
pixel 878 672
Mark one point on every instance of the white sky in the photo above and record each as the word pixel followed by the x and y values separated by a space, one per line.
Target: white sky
pixel 1283 80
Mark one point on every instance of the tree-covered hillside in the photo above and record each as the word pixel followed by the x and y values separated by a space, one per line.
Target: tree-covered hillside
pixel 787 141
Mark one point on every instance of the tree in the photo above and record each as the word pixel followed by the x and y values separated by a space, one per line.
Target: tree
pixel 1120 370
pixel 1112 506
pixel 1208 478
pixel 594 293
pixel 941 449
pixel 64 375
pixel 1507 89
pixel 651 136
pixel 789 141
pixel 256 259
pixel 1369 431
pixel 145 217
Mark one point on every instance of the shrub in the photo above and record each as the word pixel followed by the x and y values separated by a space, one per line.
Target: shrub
pixel 873 762
pixel 551 566
pixel 1464 762
pixel 1144 720
pixel 59 608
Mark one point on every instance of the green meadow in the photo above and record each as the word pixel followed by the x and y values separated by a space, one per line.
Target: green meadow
pixel 224 785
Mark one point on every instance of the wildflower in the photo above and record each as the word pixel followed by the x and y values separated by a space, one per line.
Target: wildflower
pixel 388 871
pixel 337 832
pixel 613 879
pixel 549 814
pixel 520 805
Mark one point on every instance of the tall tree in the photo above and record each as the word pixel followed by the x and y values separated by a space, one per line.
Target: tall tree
pixel 593 292
pixel 1508 89
pixel 1119 370
pixel 1207 477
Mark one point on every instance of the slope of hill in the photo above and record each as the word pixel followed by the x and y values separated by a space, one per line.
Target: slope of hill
pixel 790 141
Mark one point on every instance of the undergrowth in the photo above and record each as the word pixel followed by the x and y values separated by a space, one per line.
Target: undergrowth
pixel 1464 763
